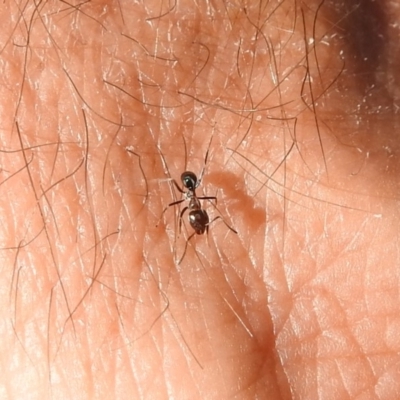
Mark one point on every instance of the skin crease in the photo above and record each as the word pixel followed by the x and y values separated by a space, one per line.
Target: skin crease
pixel 303 303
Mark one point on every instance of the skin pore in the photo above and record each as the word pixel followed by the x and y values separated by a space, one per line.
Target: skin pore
pixel 103 103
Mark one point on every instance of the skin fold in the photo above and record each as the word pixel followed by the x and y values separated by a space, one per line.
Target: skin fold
pixel 289 113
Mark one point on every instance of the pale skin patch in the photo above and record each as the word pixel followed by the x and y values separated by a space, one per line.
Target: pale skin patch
pixel 306 166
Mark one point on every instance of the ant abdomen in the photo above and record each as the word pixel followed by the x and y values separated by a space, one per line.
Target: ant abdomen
pixel 199 221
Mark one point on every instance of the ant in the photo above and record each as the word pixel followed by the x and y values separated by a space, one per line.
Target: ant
pixel 198 217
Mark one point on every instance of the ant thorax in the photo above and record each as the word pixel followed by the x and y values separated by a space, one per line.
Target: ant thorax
pixel 189 194
pixel 194 203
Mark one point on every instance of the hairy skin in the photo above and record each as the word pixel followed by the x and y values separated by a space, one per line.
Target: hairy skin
pixel 102 104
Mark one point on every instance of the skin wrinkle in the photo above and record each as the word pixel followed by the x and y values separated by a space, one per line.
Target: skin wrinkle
pixel 302 303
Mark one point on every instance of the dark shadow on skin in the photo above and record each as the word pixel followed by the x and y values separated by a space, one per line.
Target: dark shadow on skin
pixel 363 26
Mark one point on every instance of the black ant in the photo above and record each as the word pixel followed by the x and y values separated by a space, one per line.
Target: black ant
pixel 198 217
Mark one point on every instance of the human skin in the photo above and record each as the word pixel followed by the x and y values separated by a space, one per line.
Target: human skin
pixel 102 104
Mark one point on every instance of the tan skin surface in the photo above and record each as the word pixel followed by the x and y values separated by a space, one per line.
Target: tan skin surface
pixel 303 303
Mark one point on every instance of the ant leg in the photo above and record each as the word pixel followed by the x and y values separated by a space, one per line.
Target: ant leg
pixel 177 186
pixel 168 206
pixel 172 204
pixel 186 245
pixel 180 218
pixel 228 226
pixel 175 203
pixel 208 198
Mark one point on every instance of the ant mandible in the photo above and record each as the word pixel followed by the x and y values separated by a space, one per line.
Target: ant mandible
pixel 198 217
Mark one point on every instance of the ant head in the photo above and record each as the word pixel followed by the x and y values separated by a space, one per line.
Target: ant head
pixel 189 180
